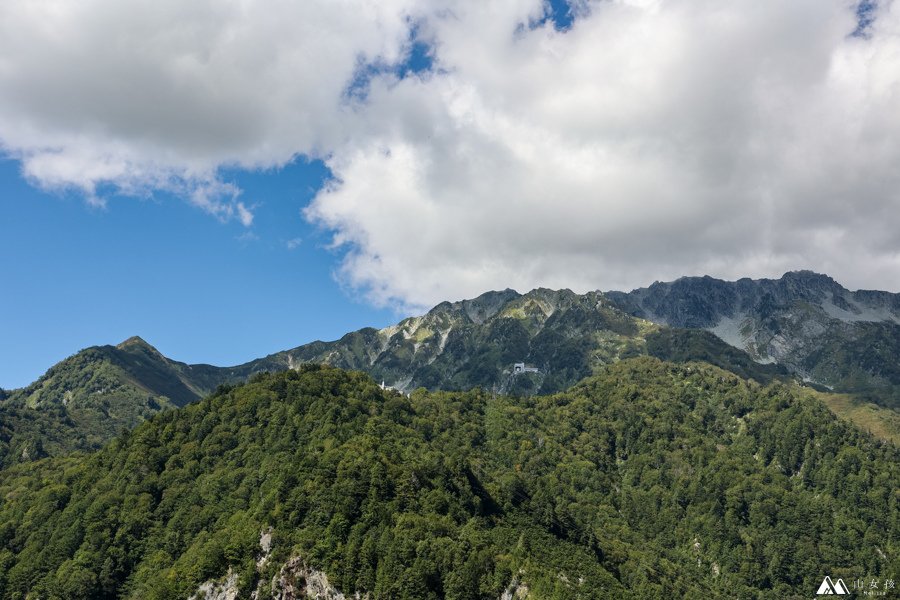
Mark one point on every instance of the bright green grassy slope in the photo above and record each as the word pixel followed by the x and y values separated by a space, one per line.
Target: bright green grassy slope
pixel 648 480
pixel 881 422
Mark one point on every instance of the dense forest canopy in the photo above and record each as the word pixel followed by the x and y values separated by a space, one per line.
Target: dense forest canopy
pixel 647 480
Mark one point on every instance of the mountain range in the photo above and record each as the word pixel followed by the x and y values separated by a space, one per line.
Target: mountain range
pixel 673 441
pixel 803 326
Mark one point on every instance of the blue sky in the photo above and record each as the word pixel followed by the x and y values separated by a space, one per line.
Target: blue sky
pixel 198 289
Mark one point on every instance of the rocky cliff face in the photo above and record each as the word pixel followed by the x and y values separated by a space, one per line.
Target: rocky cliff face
pixel 702 302
pixel 223 589
pixel 297 580
pixel 845 340
pixel 558 336
pixel 476 343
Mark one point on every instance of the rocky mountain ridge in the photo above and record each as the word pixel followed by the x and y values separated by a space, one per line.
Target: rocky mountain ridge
pixel 802 323
pixel 848 341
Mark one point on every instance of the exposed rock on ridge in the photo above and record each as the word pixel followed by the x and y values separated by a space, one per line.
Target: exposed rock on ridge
pixel 826 334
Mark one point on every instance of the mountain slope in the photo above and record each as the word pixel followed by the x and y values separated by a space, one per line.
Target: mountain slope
pixel 649 480
pixel 847 341
pixel 458 346
pixel 803 322
pixel 86 399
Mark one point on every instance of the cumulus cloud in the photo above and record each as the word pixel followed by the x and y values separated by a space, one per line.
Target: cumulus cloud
pixel 159 94
pixel 650 139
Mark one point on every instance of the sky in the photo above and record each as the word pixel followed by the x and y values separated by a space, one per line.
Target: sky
pixel 233 178
pixel 198 289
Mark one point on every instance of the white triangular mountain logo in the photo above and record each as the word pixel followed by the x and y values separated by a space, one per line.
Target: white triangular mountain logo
pixel 832 587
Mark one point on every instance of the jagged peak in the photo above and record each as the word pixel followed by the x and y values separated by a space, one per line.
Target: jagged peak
pixel 134 340
pixel 805 273
pixel 809 276
pixel 493 297
pixel 542 292
pixel 486 305
pixel 489 297
pixel 800 275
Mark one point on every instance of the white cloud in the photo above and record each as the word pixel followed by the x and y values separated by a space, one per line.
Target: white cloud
pixel 218 199
pixel 651 140
pixel 159 94
pixel 244 215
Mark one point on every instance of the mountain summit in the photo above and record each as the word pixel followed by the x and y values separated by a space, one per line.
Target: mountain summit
pixel 848 341
pixel 86 399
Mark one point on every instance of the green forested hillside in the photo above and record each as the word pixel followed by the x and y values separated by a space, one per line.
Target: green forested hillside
pixel 85 400
pixel 648 480
pixel 683 345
